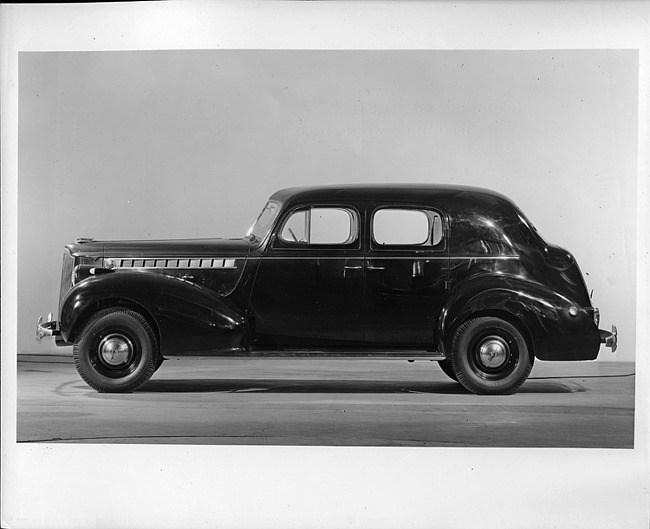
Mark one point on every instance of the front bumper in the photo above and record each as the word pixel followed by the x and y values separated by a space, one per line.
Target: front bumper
pixel 47 328
pixel 610 339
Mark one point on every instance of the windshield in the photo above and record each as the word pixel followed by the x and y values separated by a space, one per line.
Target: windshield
pixel 260 229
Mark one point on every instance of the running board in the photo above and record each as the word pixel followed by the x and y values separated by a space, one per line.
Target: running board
pixel 301 353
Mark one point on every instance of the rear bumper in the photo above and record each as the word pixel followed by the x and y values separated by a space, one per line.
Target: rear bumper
pixel 610 339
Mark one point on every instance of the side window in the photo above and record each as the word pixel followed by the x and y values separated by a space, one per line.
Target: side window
pixel 401 226
pixel 320 225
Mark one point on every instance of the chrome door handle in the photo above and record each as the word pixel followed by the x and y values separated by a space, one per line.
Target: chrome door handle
pixel 346 268
pixel 370 267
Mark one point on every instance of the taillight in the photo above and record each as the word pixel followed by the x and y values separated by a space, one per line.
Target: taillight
pixel 558 258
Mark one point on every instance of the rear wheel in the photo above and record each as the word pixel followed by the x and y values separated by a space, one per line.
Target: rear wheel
pixel 490 356
pixel 117 351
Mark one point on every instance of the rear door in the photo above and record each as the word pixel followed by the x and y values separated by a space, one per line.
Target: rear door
pixel 407 264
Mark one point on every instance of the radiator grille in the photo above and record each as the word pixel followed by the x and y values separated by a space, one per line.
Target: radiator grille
pixel 66 272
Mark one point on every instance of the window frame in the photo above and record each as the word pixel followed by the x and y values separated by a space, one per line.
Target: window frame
pixel 427 210
pixel 280 242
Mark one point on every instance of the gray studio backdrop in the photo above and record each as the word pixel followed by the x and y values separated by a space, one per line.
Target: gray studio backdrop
pixel 170 144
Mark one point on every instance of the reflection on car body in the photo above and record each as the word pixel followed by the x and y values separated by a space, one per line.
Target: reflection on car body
pixel 450 273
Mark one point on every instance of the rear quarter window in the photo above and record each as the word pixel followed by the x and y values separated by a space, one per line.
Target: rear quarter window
pixel 406 227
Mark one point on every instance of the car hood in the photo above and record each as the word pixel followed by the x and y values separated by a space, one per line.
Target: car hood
pixel 163 248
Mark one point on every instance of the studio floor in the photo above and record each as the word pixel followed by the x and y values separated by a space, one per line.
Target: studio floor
pixel 327 402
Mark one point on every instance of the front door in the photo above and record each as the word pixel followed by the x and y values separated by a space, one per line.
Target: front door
pixel 309 286
pixel 406 272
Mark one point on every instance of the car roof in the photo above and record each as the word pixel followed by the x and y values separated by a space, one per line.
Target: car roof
pixel 449 196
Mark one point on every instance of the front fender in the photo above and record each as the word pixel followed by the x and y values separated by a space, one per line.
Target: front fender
pixel 553 332
pixel 189 318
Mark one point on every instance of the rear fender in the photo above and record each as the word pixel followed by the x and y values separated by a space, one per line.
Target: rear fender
pixel 541 314
pixel 189 318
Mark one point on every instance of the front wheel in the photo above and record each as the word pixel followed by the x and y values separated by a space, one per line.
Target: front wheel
pixel 117 351
pixel 490 356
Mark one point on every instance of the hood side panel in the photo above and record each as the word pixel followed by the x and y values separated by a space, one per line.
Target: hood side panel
pixel 191 248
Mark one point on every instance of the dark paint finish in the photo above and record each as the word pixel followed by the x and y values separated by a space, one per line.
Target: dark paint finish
pixel 187 318
pixel 405 286
pixel 315 300
pixel 272 293
pixel 163 248
pixel 309 295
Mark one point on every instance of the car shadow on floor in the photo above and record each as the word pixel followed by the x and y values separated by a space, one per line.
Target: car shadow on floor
pixel 204 385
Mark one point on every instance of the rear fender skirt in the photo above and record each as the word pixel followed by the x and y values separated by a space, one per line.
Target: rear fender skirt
pixel 553 332
pixel 189 318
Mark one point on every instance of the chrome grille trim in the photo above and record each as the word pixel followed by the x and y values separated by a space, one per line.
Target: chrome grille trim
pixel 66 274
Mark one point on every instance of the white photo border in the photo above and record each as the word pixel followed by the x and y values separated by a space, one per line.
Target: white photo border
pixel 51 485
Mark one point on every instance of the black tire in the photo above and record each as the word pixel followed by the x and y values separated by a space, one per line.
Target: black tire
pixel 159 361
pixel 445 365
pixel 117 351
pixel 490 356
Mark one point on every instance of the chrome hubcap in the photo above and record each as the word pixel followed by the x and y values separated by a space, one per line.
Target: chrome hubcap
pixel 493 352
pixel 115 349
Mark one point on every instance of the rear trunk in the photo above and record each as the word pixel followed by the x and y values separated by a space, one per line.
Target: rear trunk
pixel 567 271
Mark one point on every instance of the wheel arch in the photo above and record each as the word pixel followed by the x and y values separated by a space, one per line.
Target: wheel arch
pixel 184 316
pixel 116 302
pixel 505 315
pixel 530 308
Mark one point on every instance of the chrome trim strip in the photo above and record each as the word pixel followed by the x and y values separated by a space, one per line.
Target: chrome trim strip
pixel 136 268
pixel 339 257
pixel 231 263
pixel 482 257
pixel 391 257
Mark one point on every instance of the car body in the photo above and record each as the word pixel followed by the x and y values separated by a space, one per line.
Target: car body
pixel 449 273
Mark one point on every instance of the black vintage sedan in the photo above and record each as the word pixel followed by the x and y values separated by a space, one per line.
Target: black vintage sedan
pixel 447 273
